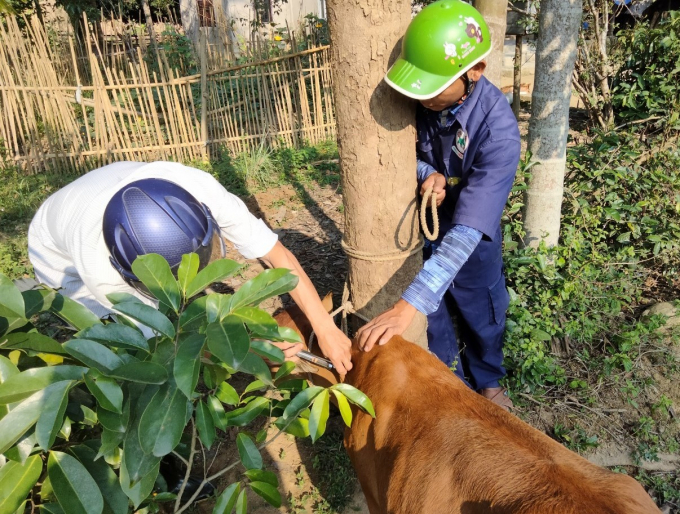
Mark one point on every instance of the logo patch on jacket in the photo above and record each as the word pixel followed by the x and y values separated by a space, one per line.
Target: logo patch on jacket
pixel 460 144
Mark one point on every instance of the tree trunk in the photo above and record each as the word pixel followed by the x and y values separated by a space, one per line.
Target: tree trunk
pixel 376 140
pixel 559 22
pixel 149 27
pixel 517 76
pixel 495 13
pixel 189 13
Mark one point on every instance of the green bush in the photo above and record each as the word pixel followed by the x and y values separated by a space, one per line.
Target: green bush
pixel 646 84
pixel 620 224
pixel 85 423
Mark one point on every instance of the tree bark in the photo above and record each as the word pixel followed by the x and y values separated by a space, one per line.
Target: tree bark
pixel 149 27
pixel 556 48
pixel 376 141
pixel 517 76
pixel 189 13
pixel 495 14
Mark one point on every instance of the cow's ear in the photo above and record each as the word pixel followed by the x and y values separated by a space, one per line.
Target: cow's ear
pixel 327 302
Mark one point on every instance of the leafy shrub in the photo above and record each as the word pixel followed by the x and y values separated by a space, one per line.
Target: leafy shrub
pixel 646 84
pixel 84 424
pixel 620 227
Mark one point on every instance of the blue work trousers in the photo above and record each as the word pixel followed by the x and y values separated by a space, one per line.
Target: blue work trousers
pixel 479 314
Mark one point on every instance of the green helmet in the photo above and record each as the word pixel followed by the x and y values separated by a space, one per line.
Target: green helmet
pixel 442 42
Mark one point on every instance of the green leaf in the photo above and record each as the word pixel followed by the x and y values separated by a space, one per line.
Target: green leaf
pixel 254 365
pixel 193 317
pixel 93 354
pixel 267 491
pixel 227 394
pixel 266 350
pixel 52 416
pixel 271 282
pixel 141 489
pixel 115 500
pixel 110 443
pixel 74 487
pixel 356 397
pixel 112 421
pixel 343 406
pixel 624 237
pixel 7 370
pixel 22 449
pixel 116 335
pixel 255 385
pixel 72 312
pixel 225 503
pixel 108 393
pixel 154 272
pixel 285 370
pixel 31 341
pixel 262 325
pixel 319 415
pixel 12 308
pixel 16 481
pixel 298 427
pixel 540 335
pixel 213 272
pixel 217 307
pixel 301 402
pixel 243 416
pixel 262 475
pixel 24 384
pixel 248 452
pixel 138 464
pixel 163 421
pixel 116 298
pixel 228 341
pixel 187 270
pixel 188 363
pixel 37 300
pixel 217 412
pixel 141 372
pixel 148 316
pixel 205 425
pixel 242 503
pixel 51 508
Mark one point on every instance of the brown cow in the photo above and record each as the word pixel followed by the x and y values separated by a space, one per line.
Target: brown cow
pixel 437 447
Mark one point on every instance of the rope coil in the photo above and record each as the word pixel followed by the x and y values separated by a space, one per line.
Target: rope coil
pixel 432 236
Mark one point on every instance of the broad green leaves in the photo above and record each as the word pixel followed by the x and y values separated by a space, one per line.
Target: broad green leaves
pixel 228 340
pixel 148 316
pixel 93 354
pixel 116 336
pixel 74 487
pixel 213 272
pixel 12 308
pixel 106 390
pixel 248 452
pixel 24 384
pixel 74 313
pixel 225 503
pixel 188 363
pixel 271 282
pixel 205 424
pixel 16 481
pixel 356 397
pixel 319 415
pixel 187 271
pixel 163 421
pixel 154 272
pixel 142 372
pixel 52 415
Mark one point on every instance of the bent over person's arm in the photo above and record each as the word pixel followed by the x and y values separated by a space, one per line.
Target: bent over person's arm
pixel 333 343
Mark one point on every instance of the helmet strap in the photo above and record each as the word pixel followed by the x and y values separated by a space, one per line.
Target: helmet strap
pixel 469 88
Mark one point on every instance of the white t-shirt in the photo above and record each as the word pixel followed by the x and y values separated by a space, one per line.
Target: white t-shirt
pixel 66 243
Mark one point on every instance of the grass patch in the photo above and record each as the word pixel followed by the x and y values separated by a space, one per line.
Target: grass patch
pixel 20 197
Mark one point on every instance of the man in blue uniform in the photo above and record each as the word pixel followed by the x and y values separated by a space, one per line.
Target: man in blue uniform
pixel 468 149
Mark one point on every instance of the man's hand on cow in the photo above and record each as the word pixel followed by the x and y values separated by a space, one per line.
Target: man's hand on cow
pixel 336 347
pixel 437 182
pixel 390 323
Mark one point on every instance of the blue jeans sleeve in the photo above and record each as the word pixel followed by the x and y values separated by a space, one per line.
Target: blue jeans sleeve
pixel 427 290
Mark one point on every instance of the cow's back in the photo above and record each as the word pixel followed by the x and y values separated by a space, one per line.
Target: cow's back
pixel 437 447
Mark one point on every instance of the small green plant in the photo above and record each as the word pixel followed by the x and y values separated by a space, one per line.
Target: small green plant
pixel 576 439
pixel 256 167
pixel 85 423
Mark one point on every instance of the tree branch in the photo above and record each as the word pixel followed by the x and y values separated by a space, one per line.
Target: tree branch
pixel 178 501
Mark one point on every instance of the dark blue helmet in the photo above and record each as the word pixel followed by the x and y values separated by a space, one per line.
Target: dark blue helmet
pixel 157 216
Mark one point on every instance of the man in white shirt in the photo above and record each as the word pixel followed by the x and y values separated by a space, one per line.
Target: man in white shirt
pixel 85 236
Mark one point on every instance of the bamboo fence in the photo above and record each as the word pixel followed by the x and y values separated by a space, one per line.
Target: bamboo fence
pixel 58 115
